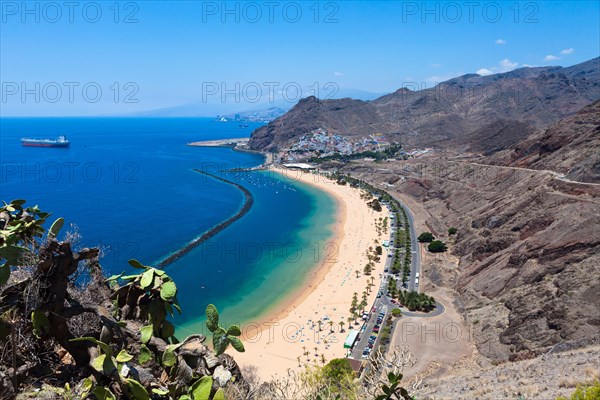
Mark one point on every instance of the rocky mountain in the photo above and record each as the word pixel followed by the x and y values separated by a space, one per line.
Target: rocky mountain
pixel 570 147
pixel 476 113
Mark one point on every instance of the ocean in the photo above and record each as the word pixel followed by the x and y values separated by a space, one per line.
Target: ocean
pixel 127 185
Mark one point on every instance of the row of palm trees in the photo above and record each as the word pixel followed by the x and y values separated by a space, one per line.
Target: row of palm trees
pixel 306 353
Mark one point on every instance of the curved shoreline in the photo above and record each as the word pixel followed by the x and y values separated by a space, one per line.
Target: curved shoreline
pixel 279 338
pixel 248 202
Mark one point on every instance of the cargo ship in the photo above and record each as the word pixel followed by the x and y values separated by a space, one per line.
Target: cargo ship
pixel 62 141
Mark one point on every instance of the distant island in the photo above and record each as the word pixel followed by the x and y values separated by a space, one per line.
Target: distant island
pixel 264 116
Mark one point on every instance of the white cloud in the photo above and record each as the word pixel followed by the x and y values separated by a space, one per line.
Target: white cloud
pixel 507 65
pixel 500 41
pixel 338 74
pixel 441 78
pixel 484 71
pixel 570 50
pixel 435 65
pixel 551 57
pixel 503 66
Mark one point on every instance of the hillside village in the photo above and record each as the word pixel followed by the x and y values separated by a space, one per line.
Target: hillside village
pixel 321 143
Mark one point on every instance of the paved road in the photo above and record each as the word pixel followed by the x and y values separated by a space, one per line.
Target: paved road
pixel 557 175
pixel 439 310
pixel 414 246
pixel 383 303
pixel 367 329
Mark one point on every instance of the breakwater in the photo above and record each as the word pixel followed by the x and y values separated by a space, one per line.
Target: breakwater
pixel 248 201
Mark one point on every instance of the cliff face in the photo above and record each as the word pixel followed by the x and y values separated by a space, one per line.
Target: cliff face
pixel 570 147
pixel 509 106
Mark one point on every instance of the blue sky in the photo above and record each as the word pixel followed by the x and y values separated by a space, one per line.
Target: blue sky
pixel 152 54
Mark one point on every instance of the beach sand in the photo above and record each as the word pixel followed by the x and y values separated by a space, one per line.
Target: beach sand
pixel 274 344
pixel 221 142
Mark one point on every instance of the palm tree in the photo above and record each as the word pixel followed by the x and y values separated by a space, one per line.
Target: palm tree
pixel 319 323
pixel 298 358
pixel 330 326
pixel 372 280
pixel 363 304
pixel 342 326
pixel 323 358
pixel 316 350
pixel 357 272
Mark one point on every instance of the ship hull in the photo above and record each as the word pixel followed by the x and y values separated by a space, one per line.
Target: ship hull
pixel 34 144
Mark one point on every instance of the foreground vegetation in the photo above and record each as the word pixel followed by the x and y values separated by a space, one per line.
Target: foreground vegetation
pixel 585 392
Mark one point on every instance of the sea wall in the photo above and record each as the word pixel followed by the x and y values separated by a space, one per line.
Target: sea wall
pixel 248 202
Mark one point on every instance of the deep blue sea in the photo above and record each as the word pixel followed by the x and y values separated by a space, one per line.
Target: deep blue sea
pixel 128 186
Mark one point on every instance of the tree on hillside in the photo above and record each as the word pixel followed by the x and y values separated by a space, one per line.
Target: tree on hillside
pixel 437 246
pixel 338 369
pixel 452 231
pixel 425 237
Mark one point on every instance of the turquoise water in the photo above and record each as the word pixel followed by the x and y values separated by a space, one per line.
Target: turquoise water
pixel 128 185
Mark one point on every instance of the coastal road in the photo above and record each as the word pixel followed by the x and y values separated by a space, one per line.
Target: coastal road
pixel 383 303
pixel 415 249
pixel 367 329
pixel 556 175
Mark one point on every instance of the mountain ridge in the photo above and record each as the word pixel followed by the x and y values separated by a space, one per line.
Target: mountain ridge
pixel 442 115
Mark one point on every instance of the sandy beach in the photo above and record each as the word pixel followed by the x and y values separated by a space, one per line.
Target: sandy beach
pixel 221 142
pixel 281 340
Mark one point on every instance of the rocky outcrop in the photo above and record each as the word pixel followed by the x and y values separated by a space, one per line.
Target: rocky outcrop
pixel 570 147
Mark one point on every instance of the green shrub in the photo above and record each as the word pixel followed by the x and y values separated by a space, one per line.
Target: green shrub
pixel 585 392
pixel 425 237
pixel 437 246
